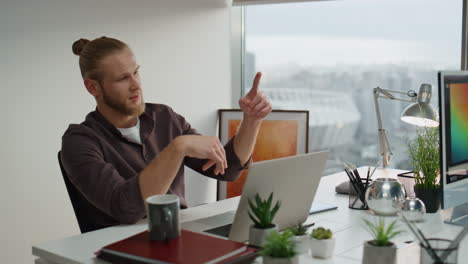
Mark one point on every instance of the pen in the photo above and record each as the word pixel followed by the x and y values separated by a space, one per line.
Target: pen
pixel 360 192
pixel 359 180
pixel 353 182
pixel 375 167
pixel 433 254
pixel 357 177
pixel 356 172
pixel 454 243
pixel 353 172
pixel 347 166
pixel 367 179
pixel 418 234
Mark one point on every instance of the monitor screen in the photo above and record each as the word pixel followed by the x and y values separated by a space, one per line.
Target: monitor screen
pixel 458 121
pixel 453 107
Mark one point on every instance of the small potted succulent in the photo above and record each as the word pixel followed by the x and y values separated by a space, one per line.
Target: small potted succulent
pixel 262 214
pixel 380 249
pixel 300 237
pixel 322 242
pixel 424 157
pixel 280 248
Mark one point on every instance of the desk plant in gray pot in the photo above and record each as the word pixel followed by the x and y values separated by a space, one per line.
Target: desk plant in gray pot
pixel 380 250
pixel 301 238
pixel 322 242
pixel 262 214
pixel 424 154
pixel 280 248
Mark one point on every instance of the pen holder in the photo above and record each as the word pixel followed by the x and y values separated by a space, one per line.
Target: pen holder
pixel 440 247
pixel 357 201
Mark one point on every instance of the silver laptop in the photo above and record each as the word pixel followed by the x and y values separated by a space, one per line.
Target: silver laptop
pixel 293 181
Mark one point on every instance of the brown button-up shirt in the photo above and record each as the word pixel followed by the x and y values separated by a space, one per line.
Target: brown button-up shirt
pixel 104 166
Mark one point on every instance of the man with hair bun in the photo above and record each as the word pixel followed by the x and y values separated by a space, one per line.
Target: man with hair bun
pixel 127 150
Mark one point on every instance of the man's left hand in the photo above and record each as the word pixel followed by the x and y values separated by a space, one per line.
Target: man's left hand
pixel 255 104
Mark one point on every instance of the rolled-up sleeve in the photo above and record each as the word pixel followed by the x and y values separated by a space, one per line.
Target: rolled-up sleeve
pixel 98 181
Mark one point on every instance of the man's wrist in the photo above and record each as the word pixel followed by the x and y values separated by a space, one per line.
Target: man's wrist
pixel 251 121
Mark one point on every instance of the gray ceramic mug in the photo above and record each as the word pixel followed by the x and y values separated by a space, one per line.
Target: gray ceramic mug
pixel 163 216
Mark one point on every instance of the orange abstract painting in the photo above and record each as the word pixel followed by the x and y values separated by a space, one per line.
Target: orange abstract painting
pixel 276 139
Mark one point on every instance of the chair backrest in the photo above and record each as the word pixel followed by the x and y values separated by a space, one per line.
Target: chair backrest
pixel 79 203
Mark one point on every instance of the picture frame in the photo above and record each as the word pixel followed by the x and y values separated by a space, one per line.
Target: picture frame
pixel 283 133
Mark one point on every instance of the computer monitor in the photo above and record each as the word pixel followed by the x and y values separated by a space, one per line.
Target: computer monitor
pixel 453 110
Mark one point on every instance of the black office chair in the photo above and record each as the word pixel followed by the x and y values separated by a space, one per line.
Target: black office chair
pixel 82 207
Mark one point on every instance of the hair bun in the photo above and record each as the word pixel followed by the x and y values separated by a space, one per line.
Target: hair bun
pixel 78 46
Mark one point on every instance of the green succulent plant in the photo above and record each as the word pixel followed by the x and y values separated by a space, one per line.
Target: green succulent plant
pixel 382 234
pixel 298 230
pixel 321 233
pixel 279 245
pixel 262 212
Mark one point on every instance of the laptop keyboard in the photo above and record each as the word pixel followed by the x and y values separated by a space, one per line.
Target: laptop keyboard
pixel 220 230
pixel 226 219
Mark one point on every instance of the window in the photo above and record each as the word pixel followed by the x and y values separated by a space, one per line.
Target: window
pixel 326 57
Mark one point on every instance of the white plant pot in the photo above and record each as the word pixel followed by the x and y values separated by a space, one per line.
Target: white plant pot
pixel 322 248
pixel 271 260
pixel 257 236
pixel 378 255
pixel 302 243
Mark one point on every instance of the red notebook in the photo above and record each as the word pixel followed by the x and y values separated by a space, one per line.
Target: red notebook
pixel 189 247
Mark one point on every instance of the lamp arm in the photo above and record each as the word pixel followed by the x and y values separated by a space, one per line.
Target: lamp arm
pixel 388 94
pixel 390 153
pixel 385 149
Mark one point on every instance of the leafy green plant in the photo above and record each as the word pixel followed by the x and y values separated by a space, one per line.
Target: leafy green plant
pixel 321 233
pixel 262 213
pixel 279 245
pixel 298 230
pixel 382 234
pixel 424 154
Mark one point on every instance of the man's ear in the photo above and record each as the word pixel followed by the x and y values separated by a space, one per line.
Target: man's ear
pixel 92 86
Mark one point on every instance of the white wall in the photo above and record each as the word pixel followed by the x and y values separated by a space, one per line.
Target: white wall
pixel 183 47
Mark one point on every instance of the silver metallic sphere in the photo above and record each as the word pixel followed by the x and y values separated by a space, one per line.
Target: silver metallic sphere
pixel 413 209
pixel 385 196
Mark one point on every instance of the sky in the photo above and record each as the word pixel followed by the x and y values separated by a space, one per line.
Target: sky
pixel 424 32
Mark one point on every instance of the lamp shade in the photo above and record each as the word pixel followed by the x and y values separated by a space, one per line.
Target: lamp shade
pixel 420 114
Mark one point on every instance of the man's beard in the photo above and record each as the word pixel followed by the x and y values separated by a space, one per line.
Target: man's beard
pixel 121 107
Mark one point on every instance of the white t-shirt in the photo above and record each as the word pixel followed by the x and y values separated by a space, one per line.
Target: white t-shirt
pixel 132 133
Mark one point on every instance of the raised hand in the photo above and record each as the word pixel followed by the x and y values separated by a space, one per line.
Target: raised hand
pixel 255 104
pixel 205 147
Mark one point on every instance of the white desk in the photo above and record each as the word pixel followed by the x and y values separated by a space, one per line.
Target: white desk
pixel 346 224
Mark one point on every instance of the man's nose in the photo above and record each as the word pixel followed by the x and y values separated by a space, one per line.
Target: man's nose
pixel 135 83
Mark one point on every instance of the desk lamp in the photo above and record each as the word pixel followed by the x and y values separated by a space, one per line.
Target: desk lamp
pixel 420 113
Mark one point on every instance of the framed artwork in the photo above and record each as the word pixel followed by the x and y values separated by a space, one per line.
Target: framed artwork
pixel 283 133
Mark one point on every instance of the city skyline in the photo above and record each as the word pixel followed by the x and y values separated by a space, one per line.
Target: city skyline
pixel 347 48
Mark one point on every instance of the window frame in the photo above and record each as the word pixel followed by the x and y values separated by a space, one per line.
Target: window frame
pixel 237 54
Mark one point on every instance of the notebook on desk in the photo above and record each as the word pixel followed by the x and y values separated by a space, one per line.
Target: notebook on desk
pixel 189 247
pixel 293 180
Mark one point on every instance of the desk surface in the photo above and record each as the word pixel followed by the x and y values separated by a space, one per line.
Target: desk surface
pixel 346 224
